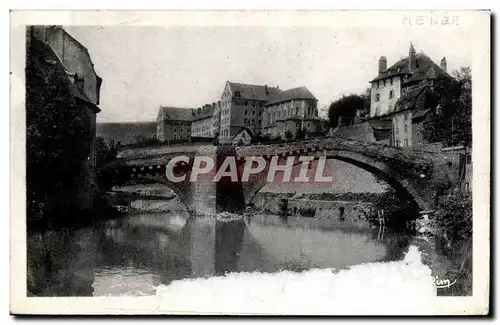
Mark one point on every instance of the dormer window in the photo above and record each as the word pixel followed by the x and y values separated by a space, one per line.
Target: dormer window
pixel 377 97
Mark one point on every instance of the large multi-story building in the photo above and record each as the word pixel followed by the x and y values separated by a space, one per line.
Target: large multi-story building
pixel 399 94
pixel 174 123
pixel 291 110
pixel 242 105
pixel 202 125
pixel 258 109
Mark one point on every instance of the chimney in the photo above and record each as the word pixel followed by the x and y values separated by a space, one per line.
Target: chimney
pixel 443 64
pixel 412 59
pixel 382 64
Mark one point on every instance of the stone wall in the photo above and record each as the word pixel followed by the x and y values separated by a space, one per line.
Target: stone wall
pixel 360 132
pixel 341 211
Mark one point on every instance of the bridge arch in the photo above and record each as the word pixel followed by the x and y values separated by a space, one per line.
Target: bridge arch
pixel 160 179
pixel 404 188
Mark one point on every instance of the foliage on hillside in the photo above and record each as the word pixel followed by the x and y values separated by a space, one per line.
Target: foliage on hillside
pixel 347 106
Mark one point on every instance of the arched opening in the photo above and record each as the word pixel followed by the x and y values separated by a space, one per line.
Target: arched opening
pixel 405 191
pixel 152 195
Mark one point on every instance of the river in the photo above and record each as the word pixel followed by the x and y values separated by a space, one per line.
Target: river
pixel 134 254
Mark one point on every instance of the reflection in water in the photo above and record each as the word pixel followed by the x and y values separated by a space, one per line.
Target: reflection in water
pixel 133 255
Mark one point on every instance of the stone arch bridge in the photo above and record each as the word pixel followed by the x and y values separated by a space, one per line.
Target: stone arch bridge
pixel 414 174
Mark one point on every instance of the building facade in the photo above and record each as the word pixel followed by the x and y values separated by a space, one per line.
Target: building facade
pixel 290 111
pixel 402 92
pixel 259 109
pixel 174 123
pixel 242 105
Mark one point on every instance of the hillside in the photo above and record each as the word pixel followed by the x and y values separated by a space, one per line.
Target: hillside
pixel 126 132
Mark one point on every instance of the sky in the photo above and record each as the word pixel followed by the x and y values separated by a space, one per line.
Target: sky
pixel 148 66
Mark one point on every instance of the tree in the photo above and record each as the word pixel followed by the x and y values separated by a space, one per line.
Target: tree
pixel 451 123
pixel 58 137
pixel 347 107
pixel 396 209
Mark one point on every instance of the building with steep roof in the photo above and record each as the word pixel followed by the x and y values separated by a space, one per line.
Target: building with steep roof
pixel 242 105
pixel 400 92
pixel 84 82
pixel 174 123
pixel 291 110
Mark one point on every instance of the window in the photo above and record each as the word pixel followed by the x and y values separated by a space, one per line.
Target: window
pixel 260 113
pixel 237 94
pixel 253 121
pixel 246 112
pixel 260 105
pixel 397 130
pixel 377 85
pixel 406 117
pixel 406 142
pixel 253 113
pixel 406 127
pixel 245 121
pixel 308 125
pixel 391 81
pixel 246 103
pixel 377 97
pixel 384 82
pixel 391 93
pixel 260 122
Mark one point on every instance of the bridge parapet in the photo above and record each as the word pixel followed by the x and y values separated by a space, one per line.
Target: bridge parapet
pixel 413 172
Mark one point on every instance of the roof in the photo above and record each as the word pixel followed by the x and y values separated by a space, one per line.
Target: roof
pixel 424 66
pixel 409 99
pixel 77 42
pixel 205 111
pixel 294 93
pixel 244 128
pixel 52 58
pixel 255 92
pixel 421 114
pixel 177 113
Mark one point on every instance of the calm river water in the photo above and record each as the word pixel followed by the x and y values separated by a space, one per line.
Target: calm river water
pixel 134 254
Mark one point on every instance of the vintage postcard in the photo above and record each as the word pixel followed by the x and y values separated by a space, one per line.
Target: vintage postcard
pixel 250 162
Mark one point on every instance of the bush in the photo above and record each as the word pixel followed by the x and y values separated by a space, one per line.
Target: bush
pixel 453 217
pixel 397 210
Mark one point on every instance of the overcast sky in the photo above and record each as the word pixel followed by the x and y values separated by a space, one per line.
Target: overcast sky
pixel 144 67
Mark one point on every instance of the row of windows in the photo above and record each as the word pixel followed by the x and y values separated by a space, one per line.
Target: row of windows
pixel 382 83
pixel 252 121
pixel 398 143
pixel 253 112
pixel 391 95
